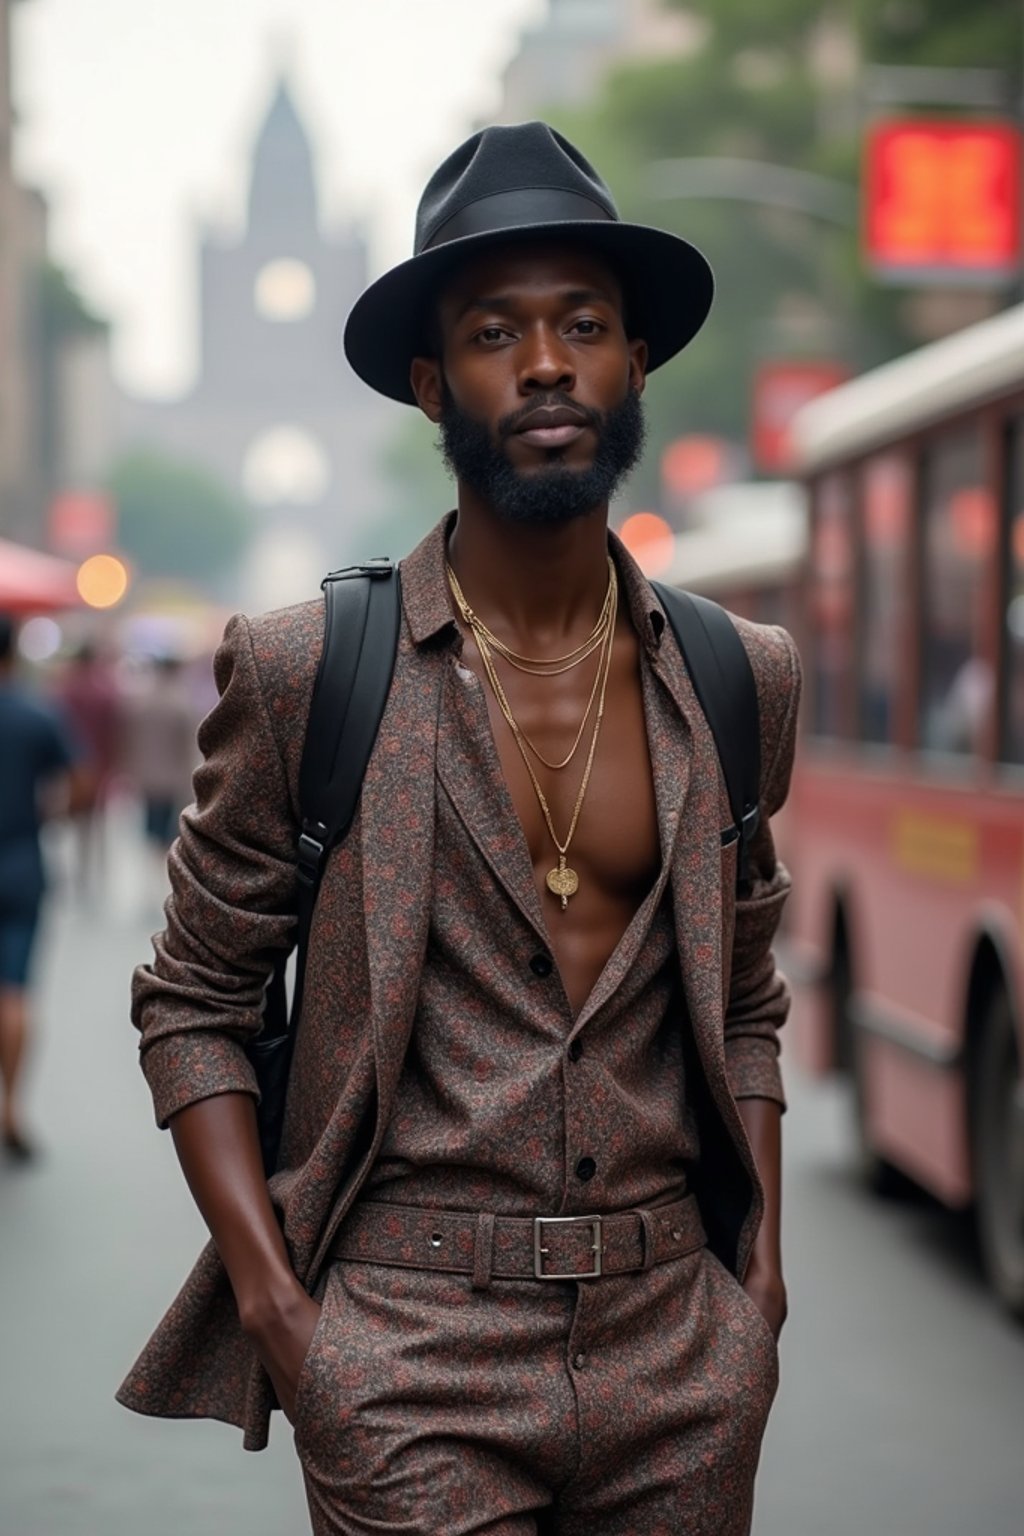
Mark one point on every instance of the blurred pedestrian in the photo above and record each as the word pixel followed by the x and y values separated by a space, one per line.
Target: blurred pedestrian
pixel 160 734
pixel 519 1267
pixel 91 702
pixel 35 755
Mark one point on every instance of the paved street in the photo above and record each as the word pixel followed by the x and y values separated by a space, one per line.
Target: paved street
pixel 903 1392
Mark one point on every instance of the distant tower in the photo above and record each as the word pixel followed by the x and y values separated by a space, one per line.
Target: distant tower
pixel 276 412
pixel 274 303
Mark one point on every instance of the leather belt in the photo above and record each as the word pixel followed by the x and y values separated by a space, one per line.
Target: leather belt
pixel 518 1247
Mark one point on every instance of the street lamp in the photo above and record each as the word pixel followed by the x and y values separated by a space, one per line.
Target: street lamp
pixel 755 181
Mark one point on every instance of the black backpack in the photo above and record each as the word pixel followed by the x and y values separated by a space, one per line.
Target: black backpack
pixel 361 623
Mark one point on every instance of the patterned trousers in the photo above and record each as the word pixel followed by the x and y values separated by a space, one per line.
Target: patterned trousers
pixel 634 1404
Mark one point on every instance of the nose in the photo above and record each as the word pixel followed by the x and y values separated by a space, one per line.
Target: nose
pixel 545 361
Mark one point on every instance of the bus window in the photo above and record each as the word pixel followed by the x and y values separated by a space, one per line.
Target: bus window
pixel 833 576
pixel 886 490
pixel 1013 733
pixel 960 529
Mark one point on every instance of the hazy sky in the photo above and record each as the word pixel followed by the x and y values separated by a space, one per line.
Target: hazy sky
pixel 136 116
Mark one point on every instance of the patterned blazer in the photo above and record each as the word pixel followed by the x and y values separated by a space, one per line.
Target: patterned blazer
pixel 232 910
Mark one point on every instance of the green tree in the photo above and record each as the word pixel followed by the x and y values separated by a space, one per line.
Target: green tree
pixel 420 488
pixel 63 310
pixel 175 519
pixel 60 316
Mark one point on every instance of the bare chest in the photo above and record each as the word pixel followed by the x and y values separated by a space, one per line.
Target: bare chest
pixel 609 832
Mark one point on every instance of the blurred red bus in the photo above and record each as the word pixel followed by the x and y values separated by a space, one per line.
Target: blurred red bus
pixel 906 824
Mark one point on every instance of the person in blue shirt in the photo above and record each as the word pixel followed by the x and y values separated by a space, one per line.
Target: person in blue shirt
pixel 35 751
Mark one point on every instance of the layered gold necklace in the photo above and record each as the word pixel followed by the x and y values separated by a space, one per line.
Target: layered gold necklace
pixel 563 881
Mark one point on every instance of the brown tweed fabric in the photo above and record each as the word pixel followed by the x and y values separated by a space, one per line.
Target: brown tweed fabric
pixel 232 909
pixel 632 1404
pixel 504 1093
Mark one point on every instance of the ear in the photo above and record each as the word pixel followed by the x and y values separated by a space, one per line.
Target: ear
pixel 426 380
pixel 637 365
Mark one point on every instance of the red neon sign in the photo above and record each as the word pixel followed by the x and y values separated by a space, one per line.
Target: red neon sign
pixel 942 199
pixel 780 389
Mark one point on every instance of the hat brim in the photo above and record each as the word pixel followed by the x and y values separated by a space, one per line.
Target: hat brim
pixel 668 288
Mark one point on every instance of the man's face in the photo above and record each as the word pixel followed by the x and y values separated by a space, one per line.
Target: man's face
pixel 537 389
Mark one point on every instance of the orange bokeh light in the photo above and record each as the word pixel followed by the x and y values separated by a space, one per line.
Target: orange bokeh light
pixel 102 581
pixel 650 540
pixel 693 464
pixel 974 520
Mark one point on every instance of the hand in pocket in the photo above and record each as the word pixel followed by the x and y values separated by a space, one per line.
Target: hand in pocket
pixel 284 1345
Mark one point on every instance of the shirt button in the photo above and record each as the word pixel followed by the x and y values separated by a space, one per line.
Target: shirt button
pixel 586 1168
pixel 541 965
pixel 575 1050
pixel 579 1361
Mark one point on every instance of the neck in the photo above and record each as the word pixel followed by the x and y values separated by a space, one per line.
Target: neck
pixel 531 582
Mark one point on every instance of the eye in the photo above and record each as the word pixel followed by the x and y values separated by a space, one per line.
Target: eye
pixel 490 333
pixel 587 326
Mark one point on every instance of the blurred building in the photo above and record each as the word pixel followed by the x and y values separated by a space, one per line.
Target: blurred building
pixel 562 60
pixel 55 382
pixel 276 414
pixel 22 249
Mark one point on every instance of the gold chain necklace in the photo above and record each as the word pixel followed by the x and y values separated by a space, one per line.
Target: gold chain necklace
pixel 506 708
pixel 537 666
pixel 562 881
pixel 485 641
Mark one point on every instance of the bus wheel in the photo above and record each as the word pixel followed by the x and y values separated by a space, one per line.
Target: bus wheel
pixel 999 1155
pixel 873 1171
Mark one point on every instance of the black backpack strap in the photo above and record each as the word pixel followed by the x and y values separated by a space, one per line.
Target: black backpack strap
pixel 361 623
pixel 723 681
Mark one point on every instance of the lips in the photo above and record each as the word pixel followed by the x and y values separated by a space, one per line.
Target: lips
pixel 552 428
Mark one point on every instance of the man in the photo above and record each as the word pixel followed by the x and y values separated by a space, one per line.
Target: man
pixel 34 756
pixel 531 991
pixel 159 739
pixel 90 699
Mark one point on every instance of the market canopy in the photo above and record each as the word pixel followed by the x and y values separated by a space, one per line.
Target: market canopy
pixel 31 582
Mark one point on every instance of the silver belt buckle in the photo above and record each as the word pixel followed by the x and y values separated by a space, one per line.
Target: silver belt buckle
pixel 540 1222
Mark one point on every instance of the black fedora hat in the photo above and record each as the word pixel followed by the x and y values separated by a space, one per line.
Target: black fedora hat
pixel 513 184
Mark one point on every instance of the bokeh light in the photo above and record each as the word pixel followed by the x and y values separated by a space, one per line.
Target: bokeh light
pixel 102 581
pixel 39 639
pixel 650 540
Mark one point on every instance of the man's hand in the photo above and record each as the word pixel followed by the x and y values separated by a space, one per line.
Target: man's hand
pixel 219 1151
pixel 282 1343
pixel 767 1290
pixel 763 1282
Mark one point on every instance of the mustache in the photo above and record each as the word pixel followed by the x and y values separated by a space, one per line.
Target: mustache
pixel 509 425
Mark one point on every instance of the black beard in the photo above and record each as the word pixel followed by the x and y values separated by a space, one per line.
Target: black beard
pixel 556 493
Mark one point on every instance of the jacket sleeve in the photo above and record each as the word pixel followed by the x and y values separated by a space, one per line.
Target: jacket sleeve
pixel 758 1000
pixel 232 904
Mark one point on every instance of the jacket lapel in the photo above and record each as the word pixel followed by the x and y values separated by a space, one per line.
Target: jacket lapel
pixel 397 824
pixel 686 776
pixel 470 772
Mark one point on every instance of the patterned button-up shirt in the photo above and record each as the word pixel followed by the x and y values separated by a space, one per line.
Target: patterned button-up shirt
pixel 507 1102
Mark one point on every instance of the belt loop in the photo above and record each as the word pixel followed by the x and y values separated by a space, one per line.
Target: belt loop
pixel 483 1251
pixel 647 1226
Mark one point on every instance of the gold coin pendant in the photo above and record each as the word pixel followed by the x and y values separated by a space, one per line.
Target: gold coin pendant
pixel 563 881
